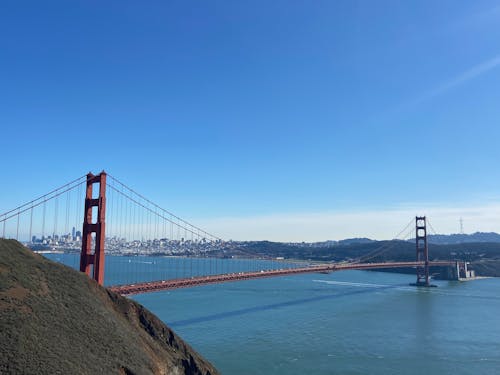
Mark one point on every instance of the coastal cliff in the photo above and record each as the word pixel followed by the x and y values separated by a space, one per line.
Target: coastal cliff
pixel 56 320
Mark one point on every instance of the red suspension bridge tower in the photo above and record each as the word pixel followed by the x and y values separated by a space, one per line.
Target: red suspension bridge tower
pixel 92 263
pixel 422 251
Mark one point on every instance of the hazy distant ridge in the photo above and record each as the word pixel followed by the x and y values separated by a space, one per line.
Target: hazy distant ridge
pixel 438 239
pixel 444 239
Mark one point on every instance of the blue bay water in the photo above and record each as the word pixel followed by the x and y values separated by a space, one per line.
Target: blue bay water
pixel 350 322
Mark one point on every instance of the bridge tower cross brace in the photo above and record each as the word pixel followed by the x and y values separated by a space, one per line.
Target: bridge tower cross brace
pixel 87 257
pixel 422 251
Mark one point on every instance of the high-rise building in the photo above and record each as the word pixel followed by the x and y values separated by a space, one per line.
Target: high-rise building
pixel 73 233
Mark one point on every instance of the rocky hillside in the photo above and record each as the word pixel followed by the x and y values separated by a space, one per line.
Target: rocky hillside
pixel 54 320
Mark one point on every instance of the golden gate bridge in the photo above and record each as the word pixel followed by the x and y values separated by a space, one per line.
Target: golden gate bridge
pixel 120 222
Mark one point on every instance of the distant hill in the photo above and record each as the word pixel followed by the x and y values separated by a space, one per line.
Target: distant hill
pixel 484 256
pixel 445 239
pixel 350 241
pixel 54 320
pixel 438 239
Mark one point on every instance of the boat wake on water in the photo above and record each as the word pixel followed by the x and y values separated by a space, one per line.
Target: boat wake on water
pixel 399 287
pixel 347 283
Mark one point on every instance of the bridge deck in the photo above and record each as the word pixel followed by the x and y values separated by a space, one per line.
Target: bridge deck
pixel 160 285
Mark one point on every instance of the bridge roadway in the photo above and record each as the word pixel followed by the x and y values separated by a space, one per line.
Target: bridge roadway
pixel 156 286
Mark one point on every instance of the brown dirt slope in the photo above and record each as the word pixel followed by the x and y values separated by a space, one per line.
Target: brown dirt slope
pixel 54 320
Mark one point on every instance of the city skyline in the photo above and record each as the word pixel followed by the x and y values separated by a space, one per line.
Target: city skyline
pixel 261 121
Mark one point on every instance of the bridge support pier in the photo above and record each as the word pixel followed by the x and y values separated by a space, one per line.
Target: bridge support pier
pixel 92 263
pixel 463 272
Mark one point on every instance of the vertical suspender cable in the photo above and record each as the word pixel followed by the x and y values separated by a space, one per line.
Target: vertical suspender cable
pixel 30 239
pixel 17 231
pixel 156 226
pixel 78 207
pixel 67 212
pixel 56 206
pixel 43 219
pixel 121 216
pixel 131 223
pixel 110 213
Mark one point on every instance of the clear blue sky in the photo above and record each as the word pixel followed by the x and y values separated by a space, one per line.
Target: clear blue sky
pixel 253 110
